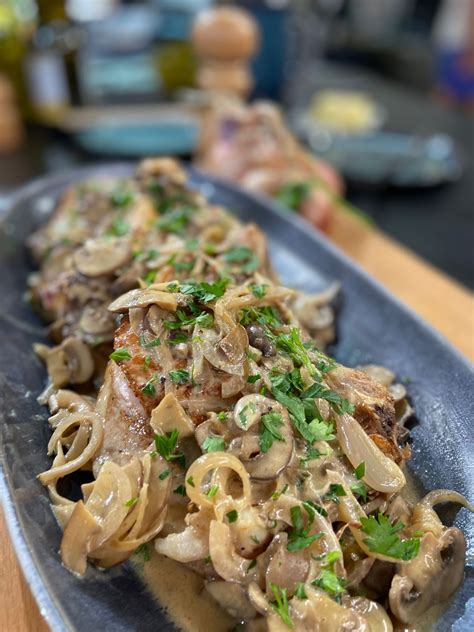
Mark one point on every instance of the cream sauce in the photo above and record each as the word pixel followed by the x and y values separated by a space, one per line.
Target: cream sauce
pixel 180 591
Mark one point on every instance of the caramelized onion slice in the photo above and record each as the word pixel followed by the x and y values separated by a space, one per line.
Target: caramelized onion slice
pixel 381 473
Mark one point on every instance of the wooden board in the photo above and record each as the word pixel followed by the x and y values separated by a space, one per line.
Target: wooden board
pixel 439 300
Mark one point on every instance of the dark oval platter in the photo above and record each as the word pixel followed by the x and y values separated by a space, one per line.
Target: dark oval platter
pixel 373 326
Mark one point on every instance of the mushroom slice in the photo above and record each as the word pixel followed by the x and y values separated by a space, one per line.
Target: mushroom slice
pixel 102 256
pixel 169 415
pixel 268 465
pixel 79 360
pixel 285 569
pixel 143 298
pixel 433 576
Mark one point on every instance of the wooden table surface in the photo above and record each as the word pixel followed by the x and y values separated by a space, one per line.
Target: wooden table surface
pixel 439 300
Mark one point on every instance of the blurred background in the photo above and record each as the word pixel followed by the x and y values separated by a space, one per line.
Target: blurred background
pixel 380 93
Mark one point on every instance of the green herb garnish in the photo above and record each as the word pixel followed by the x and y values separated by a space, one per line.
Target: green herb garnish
pixel 122 353
pixel 382 538
pixel 166 445
pixel 213 444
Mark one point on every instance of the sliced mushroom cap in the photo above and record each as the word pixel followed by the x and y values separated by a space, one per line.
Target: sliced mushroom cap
pixel 142 298
pixel 96 321
pixel 79 360
pixel 102 256
pixel 70 362
pixel 262 466
pixel 433 576
pixel 170 415
pixel 285 569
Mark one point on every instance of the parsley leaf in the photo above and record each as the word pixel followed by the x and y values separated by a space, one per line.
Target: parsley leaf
pixel 155 342
pixel 298 537
pixel 360 470
pixel 334 492
pixel 166 445
pixel 213 444
pixel 258 291
pixel 281 606
pixel 132 502
pixel 300 592
pixel 270 422
pixel 244 256
pixel 232 515
pixel 322 430
pixel 179 376
pixel 382 538
pixel 212 491
pixel 180 490
pixel 148 388
pixel 164 474
pixel 331 583
pixel 175 221
pixel 121 197
pixel 122 353
pixel 205 292
pixel 360 489
pixel 119 227
pixel 253 378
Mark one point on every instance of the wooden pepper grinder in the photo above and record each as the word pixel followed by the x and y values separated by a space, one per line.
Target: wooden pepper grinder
pixel 11 128
pixel 224 40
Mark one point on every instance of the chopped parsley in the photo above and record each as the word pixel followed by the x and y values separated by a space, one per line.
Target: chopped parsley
pixel 202 318
pixel 148 388
pixel 257 290
pixel 298 537
pixel 147 361
pixel 281 606
pixel 180 490
pixel 205 292
pixel 382 538
pixel 360 471
pixel 322 430
pixel 132 502
pixel 222 416
pixel 190 481
pixel 119 227
pixel 166 445
pixel 149 277
pixel 177 337
pixel 267 316
pixel 175 221
pixel 253 378
pixel 212 491
pixel 156 342
pixel 121 197
pixel 252 564
pixel 180 376
pixel 244 256
pixel 269 424
pixel 213 444
pixel 334 493
pixel 276 495
pixel 122 353
pixel 300 592
pixel 232 515
pixel 164 474
pixel 328 580
pixel 360 489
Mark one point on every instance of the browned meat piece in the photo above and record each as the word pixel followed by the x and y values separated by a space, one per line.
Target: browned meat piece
pixel 374 407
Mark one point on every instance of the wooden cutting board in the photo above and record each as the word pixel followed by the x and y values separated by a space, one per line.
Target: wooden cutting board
pixel 438 299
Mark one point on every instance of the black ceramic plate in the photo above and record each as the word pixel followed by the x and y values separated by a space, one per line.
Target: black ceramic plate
pixel 373 327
